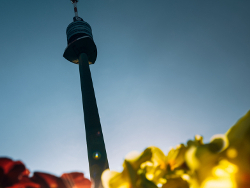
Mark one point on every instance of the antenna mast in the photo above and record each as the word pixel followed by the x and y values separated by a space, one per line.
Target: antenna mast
pixel 75 7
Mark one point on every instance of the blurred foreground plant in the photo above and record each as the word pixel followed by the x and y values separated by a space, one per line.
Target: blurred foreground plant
pixel 222 163
pixel 13 174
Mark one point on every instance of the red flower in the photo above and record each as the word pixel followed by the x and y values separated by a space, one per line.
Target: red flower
pixel 76 180
pixel 11 172
pixel 15 175
pixel 26 182
pixel 67 180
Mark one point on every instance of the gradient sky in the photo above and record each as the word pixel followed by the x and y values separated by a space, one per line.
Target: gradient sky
pixel 166 70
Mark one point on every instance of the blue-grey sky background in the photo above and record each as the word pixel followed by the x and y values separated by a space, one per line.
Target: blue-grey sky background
pixel 166 70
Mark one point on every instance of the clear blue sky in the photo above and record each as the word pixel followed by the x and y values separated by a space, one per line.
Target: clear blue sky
pixel 166 70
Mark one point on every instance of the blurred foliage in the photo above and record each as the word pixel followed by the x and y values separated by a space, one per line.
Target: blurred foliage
pixel 13 174
pixel 224 162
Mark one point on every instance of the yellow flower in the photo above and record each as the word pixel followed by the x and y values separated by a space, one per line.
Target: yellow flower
pixel 223 176
pixel 111 179
pixel 201 158
pixel 239 143
pixel 221 163
pixel 238 152
pixel 176 183
pixel 176 157
pixel 133 176
pixel 155 168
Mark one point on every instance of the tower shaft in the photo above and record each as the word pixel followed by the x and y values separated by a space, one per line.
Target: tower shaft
pixel 97 155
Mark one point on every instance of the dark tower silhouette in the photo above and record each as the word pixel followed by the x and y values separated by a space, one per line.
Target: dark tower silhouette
pixel 82 50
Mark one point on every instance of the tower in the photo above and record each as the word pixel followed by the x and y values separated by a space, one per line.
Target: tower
pixel 82 50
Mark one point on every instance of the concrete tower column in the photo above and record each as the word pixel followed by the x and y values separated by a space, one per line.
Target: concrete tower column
pixel 82 50
pixel 97 155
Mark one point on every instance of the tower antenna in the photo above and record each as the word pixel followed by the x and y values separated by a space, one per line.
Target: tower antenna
pixel 74 2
